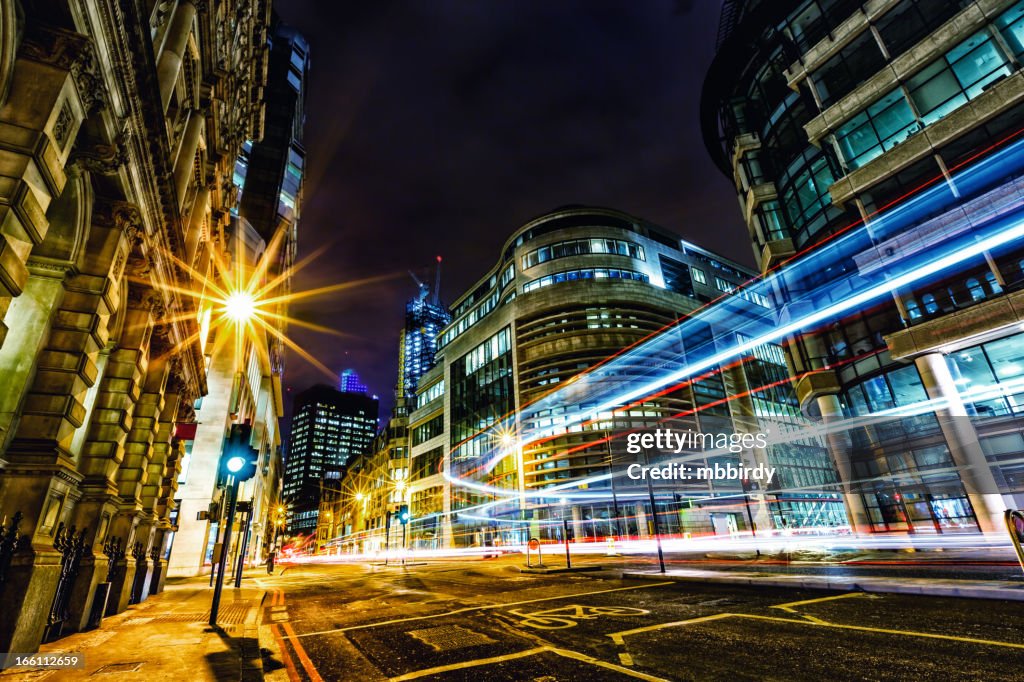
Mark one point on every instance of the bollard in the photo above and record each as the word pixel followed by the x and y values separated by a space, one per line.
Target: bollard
pixel 534 544
pixel 565 527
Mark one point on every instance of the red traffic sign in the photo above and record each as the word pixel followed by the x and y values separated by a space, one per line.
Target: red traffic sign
pixel 533 544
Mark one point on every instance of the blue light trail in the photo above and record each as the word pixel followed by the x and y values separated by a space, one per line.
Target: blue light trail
pixel 853 271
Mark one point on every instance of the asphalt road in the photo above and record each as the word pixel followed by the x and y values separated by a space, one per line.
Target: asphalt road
pixel 483 620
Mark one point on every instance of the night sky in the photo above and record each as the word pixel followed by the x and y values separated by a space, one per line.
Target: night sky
pixel 438 128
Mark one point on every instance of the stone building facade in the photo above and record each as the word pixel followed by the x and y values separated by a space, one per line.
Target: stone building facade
pixel 120 123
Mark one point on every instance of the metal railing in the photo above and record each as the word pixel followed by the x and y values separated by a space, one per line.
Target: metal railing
pixel 72 546
pixel 10 542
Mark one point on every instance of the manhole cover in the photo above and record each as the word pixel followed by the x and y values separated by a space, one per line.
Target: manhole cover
pixel 119 668
pixel 450 637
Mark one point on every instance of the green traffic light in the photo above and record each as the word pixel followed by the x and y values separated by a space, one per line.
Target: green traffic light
pixel 235 464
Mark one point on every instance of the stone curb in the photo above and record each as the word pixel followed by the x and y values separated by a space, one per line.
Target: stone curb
pixel 560 569
pixel 1005 591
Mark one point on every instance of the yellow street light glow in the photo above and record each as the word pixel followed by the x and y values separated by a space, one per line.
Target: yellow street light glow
pixel 359 497
pixel 240 306
pixel 507 439
pixel 249 301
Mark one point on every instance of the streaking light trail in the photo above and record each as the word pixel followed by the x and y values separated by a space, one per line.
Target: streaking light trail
pixel 859 269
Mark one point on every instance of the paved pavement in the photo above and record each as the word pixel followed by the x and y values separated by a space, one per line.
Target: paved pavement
pixel 465 620
pixel 167 637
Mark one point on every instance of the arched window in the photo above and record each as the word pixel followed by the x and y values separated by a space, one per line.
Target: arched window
pixel 975 289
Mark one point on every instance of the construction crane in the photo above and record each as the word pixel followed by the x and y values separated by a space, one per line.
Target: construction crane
pixel 424 289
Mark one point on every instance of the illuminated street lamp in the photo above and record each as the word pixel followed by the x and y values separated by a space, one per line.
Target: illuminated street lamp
pixel 240 306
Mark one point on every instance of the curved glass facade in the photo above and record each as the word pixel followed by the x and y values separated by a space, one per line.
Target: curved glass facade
pixel 822 127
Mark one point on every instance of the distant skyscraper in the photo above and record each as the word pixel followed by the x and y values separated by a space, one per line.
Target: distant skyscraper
pixel 269 172
pixel 425 316
pixel 328 428
pixel 273 168
pixel 348 382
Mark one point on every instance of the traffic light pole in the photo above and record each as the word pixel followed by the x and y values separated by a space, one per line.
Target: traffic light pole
pixel 229 521
pixel 244 544
pixel 404 527
pixel 387 536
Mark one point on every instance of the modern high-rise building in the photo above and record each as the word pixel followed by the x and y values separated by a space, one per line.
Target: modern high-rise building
pixel 870 134
pixel 571 289
pixel 274 166
pixel 271 170
pixel 328 429
pixel 425 315
pixel 349 382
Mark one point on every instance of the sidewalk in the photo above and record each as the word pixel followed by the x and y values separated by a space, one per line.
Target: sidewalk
pixel 933 587
pixel 168 637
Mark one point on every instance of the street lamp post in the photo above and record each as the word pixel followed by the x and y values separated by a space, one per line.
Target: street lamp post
pixel 611 480
pixel 654 516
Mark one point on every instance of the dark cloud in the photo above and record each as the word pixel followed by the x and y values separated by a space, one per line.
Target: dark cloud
pixel 439 127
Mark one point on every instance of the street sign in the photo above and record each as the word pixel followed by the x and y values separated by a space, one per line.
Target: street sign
pixel 533 545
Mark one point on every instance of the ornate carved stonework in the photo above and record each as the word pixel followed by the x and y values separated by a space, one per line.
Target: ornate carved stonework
pixel 161 13
pixel 55 46
pixel 62 126
pixel 104 159
pixel 71 51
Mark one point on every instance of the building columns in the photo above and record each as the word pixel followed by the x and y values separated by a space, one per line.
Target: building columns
pixel 184 164
pixel 962 439
pixel 169 65
pixel 839 446
pixel 641 522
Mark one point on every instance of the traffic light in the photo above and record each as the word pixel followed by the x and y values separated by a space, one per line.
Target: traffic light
pixel 403 514
pixel 239 459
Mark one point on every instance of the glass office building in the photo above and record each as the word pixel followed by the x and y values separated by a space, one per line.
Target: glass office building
pixel 829 116
pixel 570 289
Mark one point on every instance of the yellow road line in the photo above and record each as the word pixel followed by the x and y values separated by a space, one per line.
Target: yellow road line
pixel 604 664
pixel 884 631
pixel 813 619
pixel 617 636
pixel 303 656
pixel 469 664
pixel 625 659
pixel 790 605
pixel 565 653
pixel 485 607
